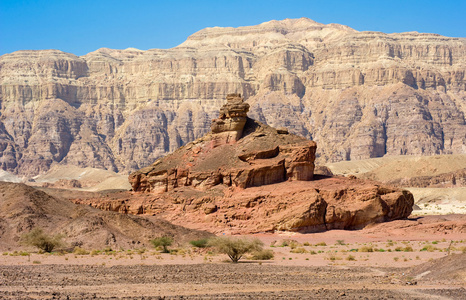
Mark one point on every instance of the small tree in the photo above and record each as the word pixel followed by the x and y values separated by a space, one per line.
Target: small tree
pixel 163 241
pixel 235 248
pixel 38 238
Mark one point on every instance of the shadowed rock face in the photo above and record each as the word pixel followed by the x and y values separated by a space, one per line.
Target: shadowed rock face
pixel 358 94
pixel 243 154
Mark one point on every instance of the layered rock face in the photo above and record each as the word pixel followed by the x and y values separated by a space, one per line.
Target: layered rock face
pixel 239 152
pixel 357 94
pixel 305 206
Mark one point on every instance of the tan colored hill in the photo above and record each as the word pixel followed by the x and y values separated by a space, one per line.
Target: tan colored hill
pixel 438 183
pixel 23 208
pixel 399 167
pixel 357 94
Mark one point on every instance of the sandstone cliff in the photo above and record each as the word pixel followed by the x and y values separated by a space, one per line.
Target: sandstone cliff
pixel 357 94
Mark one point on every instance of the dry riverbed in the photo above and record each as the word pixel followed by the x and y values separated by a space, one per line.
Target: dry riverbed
pixel 331 265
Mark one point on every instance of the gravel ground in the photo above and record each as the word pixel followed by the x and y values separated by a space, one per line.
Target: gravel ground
pixel 216 281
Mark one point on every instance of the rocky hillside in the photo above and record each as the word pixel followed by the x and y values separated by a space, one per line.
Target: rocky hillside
pixel 357 94
pixel 23 208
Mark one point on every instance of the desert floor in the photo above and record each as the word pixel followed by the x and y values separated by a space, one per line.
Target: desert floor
pixel 394 263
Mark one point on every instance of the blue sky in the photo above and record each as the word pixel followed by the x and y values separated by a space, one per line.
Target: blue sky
pixel 83 26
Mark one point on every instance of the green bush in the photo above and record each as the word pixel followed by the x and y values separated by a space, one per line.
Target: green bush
pixel 38 238
pixel 202 243
pixel 235 247
pixel 164 242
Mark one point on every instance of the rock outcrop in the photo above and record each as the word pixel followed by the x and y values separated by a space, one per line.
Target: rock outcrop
pixel 304 206
pixel 358 94
pixel 239 152
pixel 251 179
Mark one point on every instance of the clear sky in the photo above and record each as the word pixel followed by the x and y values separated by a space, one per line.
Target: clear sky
pixel 82 26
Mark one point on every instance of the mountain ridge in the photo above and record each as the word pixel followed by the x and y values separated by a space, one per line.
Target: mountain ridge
pixel 357 94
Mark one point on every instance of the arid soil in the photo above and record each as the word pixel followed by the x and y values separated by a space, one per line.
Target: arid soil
pixel 401 262
pixel 219 281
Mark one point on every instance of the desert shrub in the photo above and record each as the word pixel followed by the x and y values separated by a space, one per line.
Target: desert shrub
pixel 202 243
pixel 398 249
pixel 408 249
pixel 163 242
pixel 262 255
pixel 429 248
pixel 95 252
pixel 298 250
pixel 294 244
pixel 350 258
pixel 321 244
pixel 340 242
pixel 38 238
pixel 235 248
pixel 366 249
pixel 80 251
pixel 306 244
pixel 333 257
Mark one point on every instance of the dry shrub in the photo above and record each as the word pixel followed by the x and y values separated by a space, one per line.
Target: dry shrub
pixel 163 242
pixel 38 238
pixel 366 249
pixel 263 255
pixel 80 251
pixel 298 250
pixel 235 247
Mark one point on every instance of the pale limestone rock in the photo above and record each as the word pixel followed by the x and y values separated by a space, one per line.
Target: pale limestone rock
pixel 358 94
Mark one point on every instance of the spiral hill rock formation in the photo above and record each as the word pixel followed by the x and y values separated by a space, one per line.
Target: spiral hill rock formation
pixel 247 177
pixel 357 94
pixel 239 152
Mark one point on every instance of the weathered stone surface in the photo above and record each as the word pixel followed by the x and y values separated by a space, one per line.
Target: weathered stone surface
pixel 357 94
pixel 306 206
pixel 253 154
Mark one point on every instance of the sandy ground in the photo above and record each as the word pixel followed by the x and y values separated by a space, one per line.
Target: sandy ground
pixel 327 265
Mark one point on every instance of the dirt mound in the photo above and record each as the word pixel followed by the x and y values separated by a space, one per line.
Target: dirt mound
pixel 451 267
pixel 23 208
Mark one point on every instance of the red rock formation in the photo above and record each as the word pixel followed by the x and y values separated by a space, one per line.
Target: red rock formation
pixel 254 179
pixel 305 206
pixel 239 152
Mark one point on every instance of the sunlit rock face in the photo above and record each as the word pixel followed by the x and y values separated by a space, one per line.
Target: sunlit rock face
pixel 239 152
pixel 357 94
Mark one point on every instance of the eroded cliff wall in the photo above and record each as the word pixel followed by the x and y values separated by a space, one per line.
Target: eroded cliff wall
pixel 357 94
